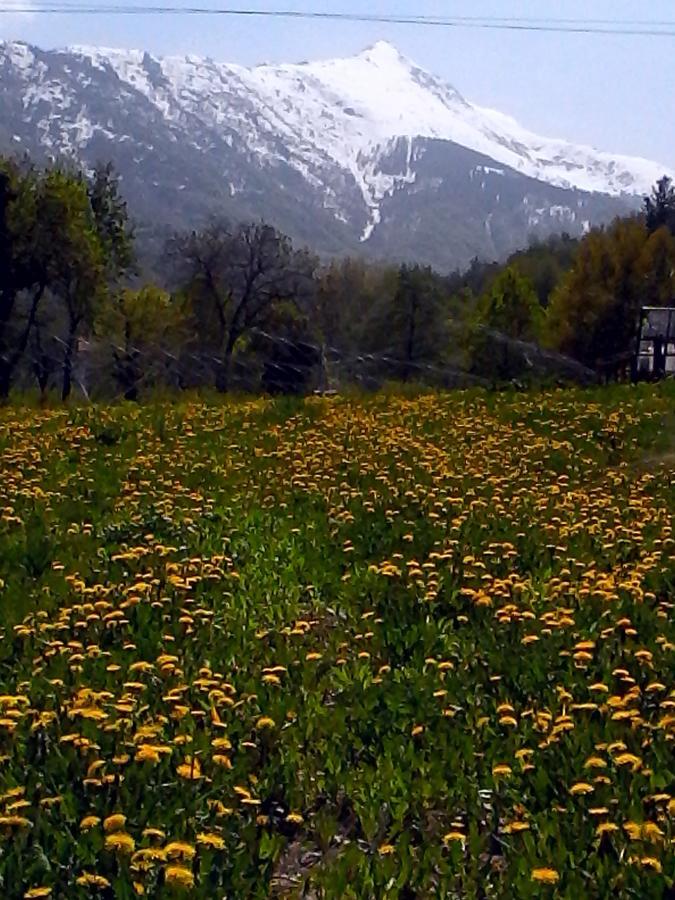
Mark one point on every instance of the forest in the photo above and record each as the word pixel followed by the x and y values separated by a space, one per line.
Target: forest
pixel 236 307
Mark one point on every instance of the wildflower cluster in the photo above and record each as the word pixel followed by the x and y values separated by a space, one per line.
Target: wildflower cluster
pixel 387 647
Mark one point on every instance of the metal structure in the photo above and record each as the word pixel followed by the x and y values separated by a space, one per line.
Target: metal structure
pixel 655 353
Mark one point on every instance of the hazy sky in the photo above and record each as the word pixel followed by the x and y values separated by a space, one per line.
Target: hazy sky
pixel 616 92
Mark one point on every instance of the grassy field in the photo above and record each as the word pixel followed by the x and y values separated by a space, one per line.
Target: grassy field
pixel 384 647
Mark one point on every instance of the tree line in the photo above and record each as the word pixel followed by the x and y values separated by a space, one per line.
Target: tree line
pixel 237 306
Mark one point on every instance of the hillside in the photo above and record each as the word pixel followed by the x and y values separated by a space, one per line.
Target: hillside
pixel 369 154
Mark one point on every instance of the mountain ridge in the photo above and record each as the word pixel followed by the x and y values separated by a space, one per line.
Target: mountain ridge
pixel 341 153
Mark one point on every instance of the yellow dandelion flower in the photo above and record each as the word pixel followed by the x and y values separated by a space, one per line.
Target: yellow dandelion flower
pixel 385 849
pixel 628 759
pixel 651 832
pixel 606 828
pixel 508 720
pixel 294 818
pixel 90 822
pixel 633 830
pixel 179 876
pixel 17 805
pixel 516 827
pixel 91 879
pixel 650 862
pixel 453 836
pixel 501 769
pixel 154 834
pixel 12 793
pixel 595 762
pixel 146 858
pixel 37 892
pixel 15 822
pixel 265 722
pixel 191 769
pixel 581 787
pixel 545 875
pixel 147 753
pixel 209 839
pixel 179 850
pixel 120 842
pixel 115 822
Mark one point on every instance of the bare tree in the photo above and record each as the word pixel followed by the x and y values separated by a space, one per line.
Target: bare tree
pixel 233 278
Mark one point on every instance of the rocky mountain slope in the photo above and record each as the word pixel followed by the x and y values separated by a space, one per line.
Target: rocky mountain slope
pixel 369 154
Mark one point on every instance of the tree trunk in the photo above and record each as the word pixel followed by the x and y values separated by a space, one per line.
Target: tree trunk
pixel 410 340
pixel 68 360
pixel 223 372
pixel 132 379
pixel 67 384
pixel 42 367
pixel 127 374
pixel 11 359
pixel 5 380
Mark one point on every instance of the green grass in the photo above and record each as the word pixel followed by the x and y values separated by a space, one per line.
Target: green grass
pixel 360 647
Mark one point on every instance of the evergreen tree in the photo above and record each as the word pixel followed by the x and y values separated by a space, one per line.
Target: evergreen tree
pixel 659 208
pixel 111 219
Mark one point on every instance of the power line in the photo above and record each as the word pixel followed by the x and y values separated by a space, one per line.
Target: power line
pixel 634 28
pixel 49 6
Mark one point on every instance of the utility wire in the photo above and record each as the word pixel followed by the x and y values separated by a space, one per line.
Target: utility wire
pixel 146 8
pixel 634 28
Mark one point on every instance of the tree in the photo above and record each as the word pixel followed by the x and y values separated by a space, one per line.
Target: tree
pixel 289 351
pixel 63 239
pixel 409 324
pixel 111 220
pixel 657 269
pixel 594 314
pixel 233 278
pixel 659 208
pixel 418 311
pixel 144 329
pixel 346 288
pixel 508 315
pixel 77 265
pixel 22 270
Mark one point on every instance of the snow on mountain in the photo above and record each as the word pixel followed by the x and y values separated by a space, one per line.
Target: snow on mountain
pixel 346 108
pixel 362 134
pixel 394 98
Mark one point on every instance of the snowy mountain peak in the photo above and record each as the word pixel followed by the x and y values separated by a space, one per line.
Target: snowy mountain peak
pixel 366 102
pixel 384 54
pixel 365 140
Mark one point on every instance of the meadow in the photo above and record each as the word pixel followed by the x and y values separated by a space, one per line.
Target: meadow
pixel 393 646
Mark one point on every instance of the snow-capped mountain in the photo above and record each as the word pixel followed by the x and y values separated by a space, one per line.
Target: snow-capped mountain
pixel 370 153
